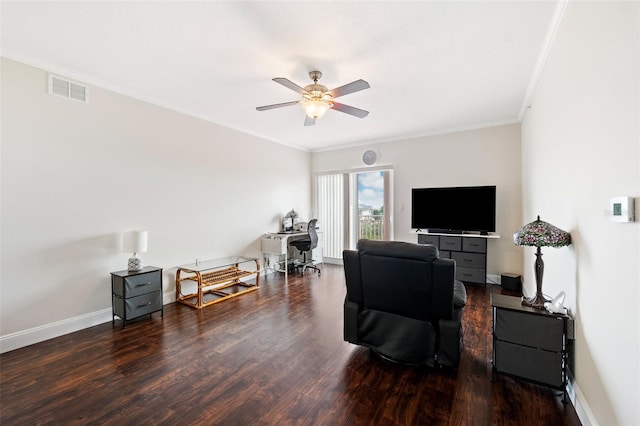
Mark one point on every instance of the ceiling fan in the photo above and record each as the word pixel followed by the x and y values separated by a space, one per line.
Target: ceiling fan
pixel 317 99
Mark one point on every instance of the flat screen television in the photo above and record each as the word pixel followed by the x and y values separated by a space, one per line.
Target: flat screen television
pixel 456 209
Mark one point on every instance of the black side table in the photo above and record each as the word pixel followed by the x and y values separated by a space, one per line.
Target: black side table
pixel 135 294
pixel 529 343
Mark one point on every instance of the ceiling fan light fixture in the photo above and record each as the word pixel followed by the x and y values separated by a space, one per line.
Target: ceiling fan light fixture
pixel 317 99
pixel 316 108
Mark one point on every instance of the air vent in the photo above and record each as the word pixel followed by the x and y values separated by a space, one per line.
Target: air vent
pixel 62 87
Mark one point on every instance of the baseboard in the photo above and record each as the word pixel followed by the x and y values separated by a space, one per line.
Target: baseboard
pixel 583 410
pixel 494 279
pixel 34 335
pixel 168 297
pixel 28 337
pixel 580 403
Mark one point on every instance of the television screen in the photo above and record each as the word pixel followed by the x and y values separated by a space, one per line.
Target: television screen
pixel 457 209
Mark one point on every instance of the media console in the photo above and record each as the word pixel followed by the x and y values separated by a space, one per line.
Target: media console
pixel 468 250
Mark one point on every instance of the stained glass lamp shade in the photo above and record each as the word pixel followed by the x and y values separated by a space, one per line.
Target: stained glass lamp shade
pixel 540 234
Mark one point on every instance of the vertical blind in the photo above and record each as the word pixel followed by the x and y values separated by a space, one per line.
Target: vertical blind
pixel 330 203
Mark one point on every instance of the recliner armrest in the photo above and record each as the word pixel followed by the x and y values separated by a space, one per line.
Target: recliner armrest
pixel 443 277
pixel 352 275
pixel 459 294
pixel 350 325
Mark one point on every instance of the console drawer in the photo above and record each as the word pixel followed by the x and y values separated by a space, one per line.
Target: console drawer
pixel 450 243
pixel 476 245
pixel 428 239
pixel 472 275
pixel 469 260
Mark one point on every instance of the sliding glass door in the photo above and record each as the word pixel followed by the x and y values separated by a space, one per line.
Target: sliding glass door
pixel 372 221
pixel 353 205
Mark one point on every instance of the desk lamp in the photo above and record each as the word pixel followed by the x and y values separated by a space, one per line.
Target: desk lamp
pixel 540 234
pixel 135 242
pixel 289 220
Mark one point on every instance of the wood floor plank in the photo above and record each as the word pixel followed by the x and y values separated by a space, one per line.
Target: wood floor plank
pixel 274 356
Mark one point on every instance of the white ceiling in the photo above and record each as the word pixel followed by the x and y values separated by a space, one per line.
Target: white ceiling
pixel 433 66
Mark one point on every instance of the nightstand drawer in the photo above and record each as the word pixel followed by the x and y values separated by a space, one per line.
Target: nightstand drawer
pixel 469 260
pixel 135 285
pixel 538 331
pixel 472 275
pixel 138 306
pixel 450 243
pixel 530 363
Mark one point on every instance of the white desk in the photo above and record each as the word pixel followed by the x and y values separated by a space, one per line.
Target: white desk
pixel 278 244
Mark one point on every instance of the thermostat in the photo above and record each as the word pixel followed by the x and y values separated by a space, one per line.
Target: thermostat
pixel 622 209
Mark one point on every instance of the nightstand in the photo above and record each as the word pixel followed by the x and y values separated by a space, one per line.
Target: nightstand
pixel 529 343
pixel 135 294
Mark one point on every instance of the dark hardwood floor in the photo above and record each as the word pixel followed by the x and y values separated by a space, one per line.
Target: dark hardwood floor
pixel 274 356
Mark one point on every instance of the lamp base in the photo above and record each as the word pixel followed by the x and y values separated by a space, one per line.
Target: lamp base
pixel 135 264
pixel 536 302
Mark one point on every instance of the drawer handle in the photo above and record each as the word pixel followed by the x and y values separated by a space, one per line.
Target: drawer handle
pixel 467 275
pixel 142 306
pixel 467 260
pixel 142 285
pixel 450 244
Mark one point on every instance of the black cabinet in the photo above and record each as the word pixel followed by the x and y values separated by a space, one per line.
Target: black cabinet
pixel 135 294
pixel 529 343
pixel 470 254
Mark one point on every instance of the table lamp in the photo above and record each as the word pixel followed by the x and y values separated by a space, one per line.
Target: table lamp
pixel 134 242
pixel 292 214
pixel 540 234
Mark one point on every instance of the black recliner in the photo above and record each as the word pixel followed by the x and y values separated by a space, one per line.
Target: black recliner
pixel 404 303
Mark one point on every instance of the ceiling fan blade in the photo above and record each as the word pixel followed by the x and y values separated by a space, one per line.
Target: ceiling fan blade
pixel 266 107
pixel 354 86
pixel 290 84
pixel 309 121
pixel 360 113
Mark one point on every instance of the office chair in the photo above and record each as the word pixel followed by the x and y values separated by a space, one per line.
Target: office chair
pixel 305 245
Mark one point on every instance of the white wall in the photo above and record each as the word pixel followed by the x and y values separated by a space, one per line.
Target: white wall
pixel 75 176
pixel 487 156
pixel 581 146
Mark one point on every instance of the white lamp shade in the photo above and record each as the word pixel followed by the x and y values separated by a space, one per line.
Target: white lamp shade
pixel 134 242
pixel 316 108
